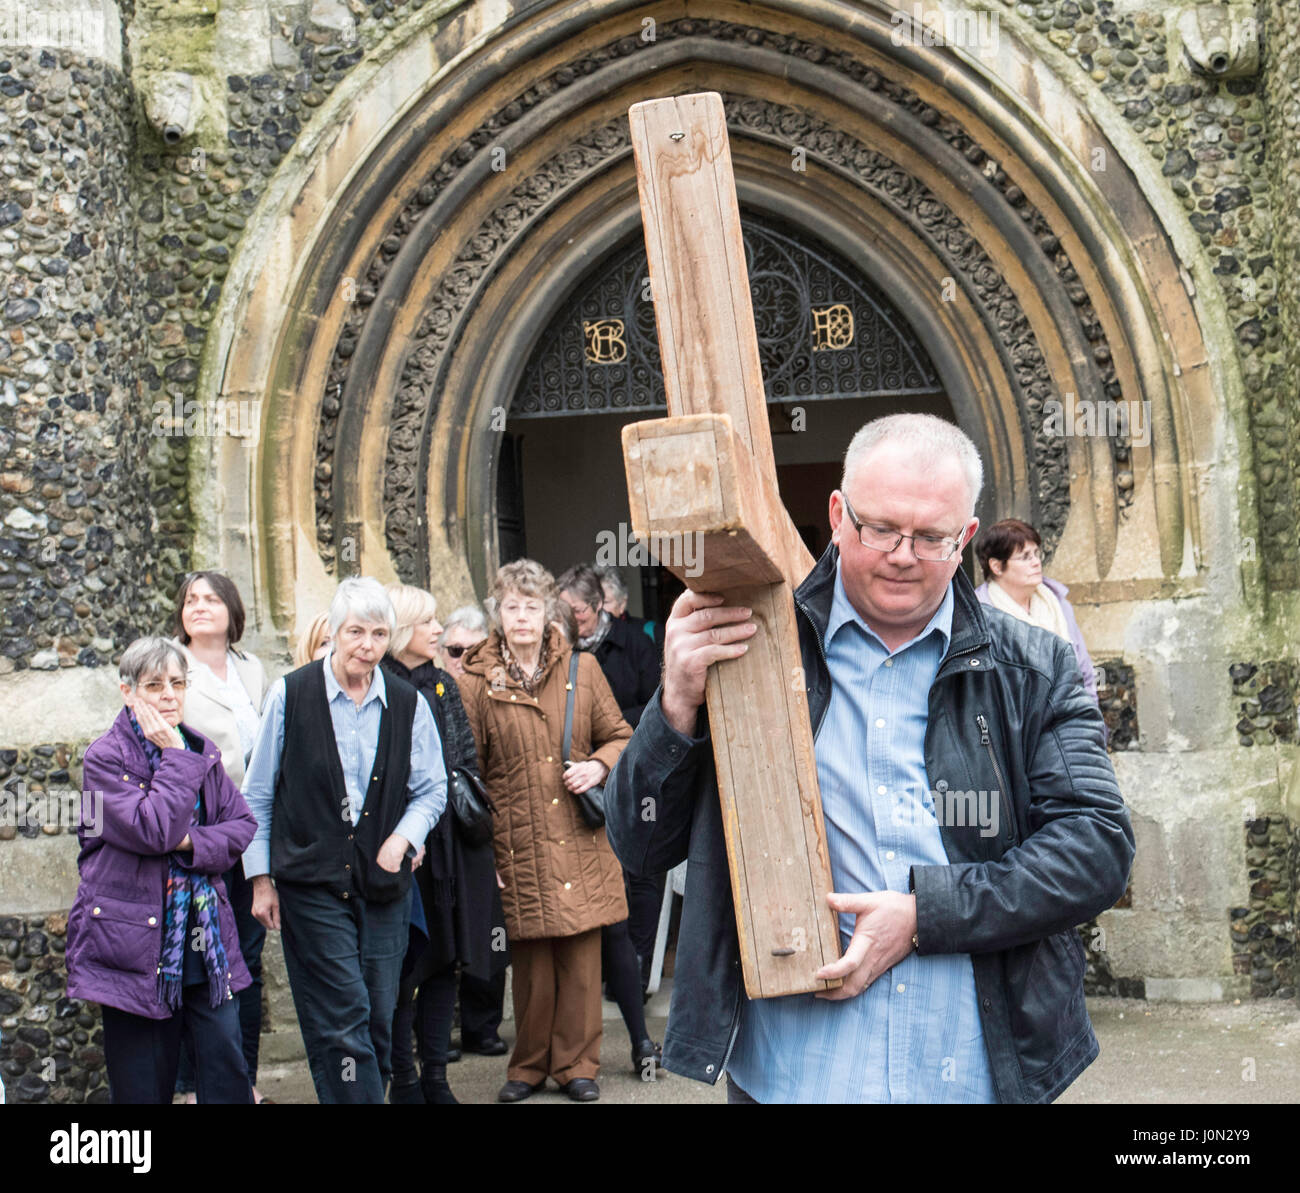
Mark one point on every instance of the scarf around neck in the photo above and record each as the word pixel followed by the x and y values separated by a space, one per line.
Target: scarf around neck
pixel 515 668
pixel 598 634
pixel 186 889
pixel 1044 608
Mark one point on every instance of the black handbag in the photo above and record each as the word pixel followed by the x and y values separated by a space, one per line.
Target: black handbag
pixel 591 803
pixel 468 796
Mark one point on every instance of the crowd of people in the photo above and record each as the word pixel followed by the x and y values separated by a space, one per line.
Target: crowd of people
pixel 318 805
pixel 417 805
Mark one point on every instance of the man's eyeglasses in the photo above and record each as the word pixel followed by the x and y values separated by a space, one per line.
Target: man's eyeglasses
pixel 930 547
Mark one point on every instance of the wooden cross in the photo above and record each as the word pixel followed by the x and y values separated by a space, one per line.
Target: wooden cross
pixel 707 471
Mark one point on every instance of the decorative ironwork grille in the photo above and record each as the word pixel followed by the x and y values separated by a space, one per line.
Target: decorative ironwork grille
pixel 824 331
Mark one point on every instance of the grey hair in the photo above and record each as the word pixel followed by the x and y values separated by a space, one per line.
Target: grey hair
pixel 364 598
pixel 581 580
pixel 614 578
pixel 924 433
pixel 149 656
pixel 469 618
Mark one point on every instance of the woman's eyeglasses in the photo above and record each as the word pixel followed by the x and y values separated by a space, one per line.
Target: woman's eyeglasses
pixel 455 651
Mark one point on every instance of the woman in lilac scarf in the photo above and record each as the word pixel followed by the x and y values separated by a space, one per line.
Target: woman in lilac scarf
pixel 1011 557
pixel 151 934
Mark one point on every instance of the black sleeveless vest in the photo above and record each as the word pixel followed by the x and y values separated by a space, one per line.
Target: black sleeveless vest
pixel 313 839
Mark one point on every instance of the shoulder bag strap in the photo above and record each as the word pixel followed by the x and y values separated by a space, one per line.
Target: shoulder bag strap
pixel 568 704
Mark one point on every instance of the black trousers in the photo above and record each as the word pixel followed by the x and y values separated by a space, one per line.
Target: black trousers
pixel 141 1054
pixel 482 1007
pixel 252 936
pixel 645 897
pixel 623 978
pixel 430 1013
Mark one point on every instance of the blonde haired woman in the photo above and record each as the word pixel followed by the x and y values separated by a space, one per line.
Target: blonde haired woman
pixel 455 904
pixel 562 881
pixel 315 642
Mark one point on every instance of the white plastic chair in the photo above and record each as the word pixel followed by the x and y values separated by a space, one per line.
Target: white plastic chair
pixel 675 885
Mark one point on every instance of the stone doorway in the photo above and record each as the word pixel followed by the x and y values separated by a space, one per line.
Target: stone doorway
pixel 835 352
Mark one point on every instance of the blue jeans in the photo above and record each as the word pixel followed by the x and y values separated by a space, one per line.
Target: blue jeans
pixel 344 958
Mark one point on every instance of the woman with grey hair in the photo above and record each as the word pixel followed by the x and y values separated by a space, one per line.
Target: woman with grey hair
pixel 171 824
pixel 466 627
pixel 347 780
pixel 630 668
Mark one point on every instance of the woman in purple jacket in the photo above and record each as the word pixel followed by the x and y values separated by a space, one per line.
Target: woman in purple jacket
pixel 151 934
pixel 1011 557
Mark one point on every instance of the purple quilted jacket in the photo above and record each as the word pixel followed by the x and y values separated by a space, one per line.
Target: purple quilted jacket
pixel 116 922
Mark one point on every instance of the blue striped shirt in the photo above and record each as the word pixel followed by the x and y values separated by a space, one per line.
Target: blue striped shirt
pixel 914 1035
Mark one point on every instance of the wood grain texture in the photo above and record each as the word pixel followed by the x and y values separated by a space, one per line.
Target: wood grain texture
pixel 709 469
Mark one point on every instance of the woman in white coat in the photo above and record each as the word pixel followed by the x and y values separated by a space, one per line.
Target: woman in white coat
pixel 223 701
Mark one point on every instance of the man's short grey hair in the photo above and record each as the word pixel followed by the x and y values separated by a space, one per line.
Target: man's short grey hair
pixel 611 577
pixel 930 436
pixel 147 657
pixel 364 598
pixel 469 618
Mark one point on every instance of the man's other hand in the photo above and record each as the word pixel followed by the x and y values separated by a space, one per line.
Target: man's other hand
pixel 882 937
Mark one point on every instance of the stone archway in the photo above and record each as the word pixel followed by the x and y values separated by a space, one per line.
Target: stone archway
pixel 399 327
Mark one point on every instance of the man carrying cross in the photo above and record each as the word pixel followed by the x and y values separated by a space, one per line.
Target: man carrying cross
pixel 962 970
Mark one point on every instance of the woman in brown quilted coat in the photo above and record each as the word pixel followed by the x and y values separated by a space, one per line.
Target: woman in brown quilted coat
pixel 562 881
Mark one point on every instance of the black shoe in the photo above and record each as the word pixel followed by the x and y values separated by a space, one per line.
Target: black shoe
pixel 453 1055
pixel 647 1059
pixel 492 1045
pixel 405 1094
pixel 581 1089
pixel 433 1083
pixel 517 1091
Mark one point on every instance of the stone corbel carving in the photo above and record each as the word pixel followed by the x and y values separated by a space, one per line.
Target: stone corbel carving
pixel 171 105
pixel 1221 41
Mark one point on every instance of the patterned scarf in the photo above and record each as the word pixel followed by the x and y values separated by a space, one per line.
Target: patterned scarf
pixel 186 888
pixel 515 668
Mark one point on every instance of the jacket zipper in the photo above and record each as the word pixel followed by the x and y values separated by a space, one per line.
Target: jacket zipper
pixel 821 651
pixel 987 742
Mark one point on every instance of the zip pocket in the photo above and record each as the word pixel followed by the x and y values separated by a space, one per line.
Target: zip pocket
pixel 1004 794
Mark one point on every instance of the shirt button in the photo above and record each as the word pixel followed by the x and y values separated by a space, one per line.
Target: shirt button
pixel 567 885
pixel 881 789
pixel 987 1004
pixel 555 801
pixel 880 722
pixel 889 662
pixel 889 857
pixel 901 987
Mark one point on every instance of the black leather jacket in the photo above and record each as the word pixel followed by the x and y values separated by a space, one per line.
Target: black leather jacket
pixel 1007 713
